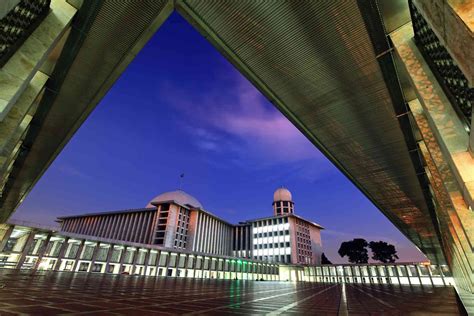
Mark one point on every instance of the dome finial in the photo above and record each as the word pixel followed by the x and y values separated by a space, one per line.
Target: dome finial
pixel 181 176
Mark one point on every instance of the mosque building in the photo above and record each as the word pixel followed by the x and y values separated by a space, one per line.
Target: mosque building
pixel 177 220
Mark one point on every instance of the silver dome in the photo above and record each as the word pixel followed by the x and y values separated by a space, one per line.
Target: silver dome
pixel 179 196
pixel 282 194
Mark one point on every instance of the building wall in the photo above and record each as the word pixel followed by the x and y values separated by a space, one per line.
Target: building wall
pixel 285 239
pixel 316 245
pixel 134 226
pixel 209 234
pixel 40 249
pixel 271 239
pixel 242 241
pixel 306 247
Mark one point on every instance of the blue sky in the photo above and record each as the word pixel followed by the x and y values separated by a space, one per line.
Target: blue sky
pixel 180 107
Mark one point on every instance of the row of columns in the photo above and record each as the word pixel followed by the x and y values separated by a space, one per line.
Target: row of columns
pixel 212 236
pixel 313 272
pixel 266 268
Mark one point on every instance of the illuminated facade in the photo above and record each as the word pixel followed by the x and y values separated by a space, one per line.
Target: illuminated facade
pixel 29 246
pixel 176 220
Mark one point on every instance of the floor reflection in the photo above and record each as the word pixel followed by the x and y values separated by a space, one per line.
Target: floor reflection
pixel 52 293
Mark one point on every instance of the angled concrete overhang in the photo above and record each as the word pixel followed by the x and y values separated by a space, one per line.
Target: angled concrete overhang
pixel 326 65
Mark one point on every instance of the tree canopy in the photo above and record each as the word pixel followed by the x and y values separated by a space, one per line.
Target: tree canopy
pixel 355 250
pixel 383 252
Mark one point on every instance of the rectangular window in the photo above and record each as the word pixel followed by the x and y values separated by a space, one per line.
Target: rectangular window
pixel 83 266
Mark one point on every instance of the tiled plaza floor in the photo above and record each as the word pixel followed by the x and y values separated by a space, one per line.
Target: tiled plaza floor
pixel 52 293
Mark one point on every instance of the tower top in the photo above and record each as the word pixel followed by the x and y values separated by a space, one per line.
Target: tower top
pixel 282 194
pixel 283 202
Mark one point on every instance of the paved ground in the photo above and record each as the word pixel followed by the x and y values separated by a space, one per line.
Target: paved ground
pixel 50 293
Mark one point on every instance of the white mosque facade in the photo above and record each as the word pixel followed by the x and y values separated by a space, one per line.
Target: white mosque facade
pixel 177 220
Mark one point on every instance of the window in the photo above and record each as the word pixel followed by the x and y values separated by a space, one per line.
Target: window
pixel 96 267
pixel 83 266
pixel 288 244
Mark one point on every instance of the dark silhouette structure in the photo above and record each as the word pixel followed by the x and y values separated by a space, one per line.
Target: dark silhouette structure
pixel 324 259
pixel 355 250
pixel 383 252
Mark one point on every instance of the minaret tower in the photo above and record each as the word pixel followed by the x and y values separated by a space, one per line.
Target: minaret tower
pixel 283 202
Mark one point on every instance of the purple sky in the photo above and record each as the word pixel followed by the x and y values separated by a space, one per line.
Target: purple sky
pixel 180 107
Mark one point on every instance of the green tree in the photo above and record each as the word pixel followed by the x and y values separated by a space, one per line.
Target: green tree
pixel 324 259
pixel 355 250
pixel 383 252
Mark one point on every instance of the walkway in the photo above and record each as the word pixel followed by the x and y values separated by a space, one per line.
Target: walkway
pixel 53 293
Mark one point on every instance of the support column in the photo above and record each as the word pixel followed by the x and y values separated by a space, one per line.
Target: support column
pixel 398 275
pixel 134 260
pixel 408 274
pixel 61 254
pixel 109 257
pixel 5 238
pixel 418 274
pixel 94 254
pixel 122 258
pixel 26 248
pixel 145 261
pixel 78 255
pixel 41 251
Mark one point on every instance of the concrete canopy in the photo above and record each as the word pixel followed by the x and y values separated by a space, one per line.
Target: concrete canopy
pixel 326 65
